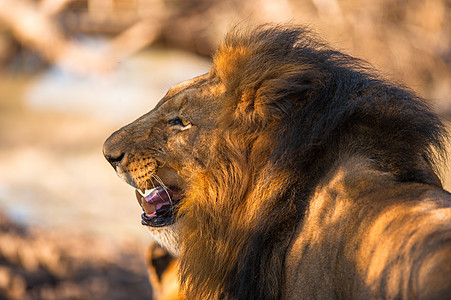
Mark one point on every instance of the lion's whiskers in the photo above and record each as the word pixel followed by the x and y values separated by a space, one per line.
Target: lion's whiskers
pixel 160 182
pixel 158 179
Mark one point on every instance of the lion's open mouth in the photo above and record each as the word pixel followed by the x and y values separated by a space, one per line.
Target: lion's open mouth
pixel 159 205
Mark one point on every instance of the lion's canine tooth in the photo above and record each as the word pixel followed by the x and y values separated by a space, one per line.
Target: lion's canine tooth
pixel 139 196
pixel 142 192
pixel 149 208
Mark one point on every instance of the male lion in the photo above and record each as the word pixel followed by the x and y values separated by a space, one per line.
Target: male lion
pixel 291 171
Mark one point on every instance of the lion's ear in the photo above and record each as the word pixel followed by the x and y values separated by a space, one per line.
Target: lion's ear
pixel 276 94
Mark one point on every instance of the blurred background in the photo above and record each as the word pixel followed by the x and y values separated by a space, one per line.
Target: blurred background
pixel 73 71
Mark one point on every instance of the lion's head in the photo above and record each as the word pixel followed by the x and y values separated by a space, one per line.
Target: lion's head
pixel 226 162
pixel 162 151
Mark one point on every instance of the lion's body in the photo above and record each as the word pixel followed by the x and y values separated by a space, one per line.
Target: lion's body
pixel 304 176
pixel 351 246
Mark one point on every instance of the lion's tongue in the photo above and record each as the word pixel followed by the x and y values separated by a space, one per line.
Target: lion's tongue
pixel 156 200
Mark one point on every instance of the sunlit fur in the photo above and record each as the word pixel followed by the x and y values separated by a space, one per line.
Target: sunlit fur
pixel 292 108
pixel 163 275
pixel 305 175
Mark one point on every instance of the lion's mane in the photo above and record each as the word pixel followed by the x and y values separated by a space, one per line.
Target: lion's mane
pixel 293 108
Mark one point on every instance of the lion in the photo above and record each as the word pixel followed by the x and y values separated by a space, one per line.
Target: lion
pixel 292 171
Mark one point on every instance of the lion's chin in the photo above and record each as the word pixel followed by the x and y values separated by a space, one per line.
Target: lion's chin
pixel 167 237
pixel 159 206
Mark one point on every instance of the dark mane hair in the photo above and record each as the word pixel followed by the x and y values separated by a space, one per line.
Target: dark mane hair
pixel 294 108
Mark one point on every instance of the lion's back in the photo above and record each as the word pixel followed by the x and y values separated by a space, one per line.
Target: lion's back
pixel 393 241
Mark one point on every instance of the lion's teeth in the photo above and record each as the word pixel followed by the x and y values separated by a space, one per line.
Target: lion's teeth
pixel 141 192
pixel 145 192
pixel 139 196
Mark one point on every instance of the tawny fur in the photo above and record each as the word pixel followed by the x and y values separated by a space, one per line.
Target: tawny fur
pixel 305 175
pixel 163 274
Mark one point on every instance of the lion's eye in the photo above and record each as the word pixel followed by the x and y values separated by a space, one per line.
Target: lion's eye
pixel 177 121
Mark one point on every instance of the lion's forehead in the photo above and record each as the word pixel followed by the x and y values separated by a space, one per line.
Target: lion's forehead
pixel 187 84
pixel 206 83
pixel 193 94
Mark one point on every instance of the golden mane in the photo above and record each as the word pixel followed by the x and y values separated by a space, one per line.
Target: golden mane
pixel 293 108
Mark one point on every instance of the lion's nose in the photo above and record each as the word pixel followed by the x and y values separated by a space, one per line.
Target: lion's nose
pixel 114 160
pixel 112 152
